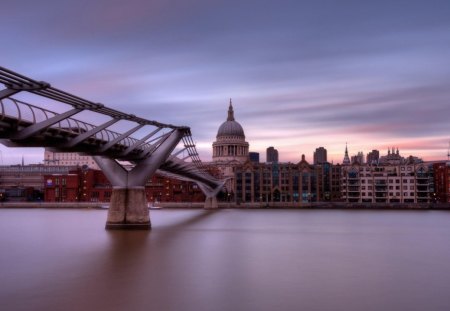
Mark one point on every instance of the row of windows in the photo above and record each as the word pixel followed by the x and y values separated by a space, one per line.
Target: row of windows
pixel 390 187
pixel 369 169
pixel 391 181
pixel 391 194
pixel 35 169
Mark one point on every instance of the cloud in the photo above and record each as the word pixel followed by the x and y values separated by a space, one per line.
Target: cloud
pixel 300 73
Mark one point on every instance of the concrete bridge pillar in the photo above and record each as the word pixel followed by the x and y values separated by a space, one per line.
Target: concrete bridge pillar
pixel 128 208
pixel 211 202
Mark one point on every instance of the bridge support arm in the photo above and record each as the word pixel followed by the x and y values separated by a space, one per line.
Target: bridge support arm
pixel 116 174
pixel 211 194
pixel 147 167
pixel 128 207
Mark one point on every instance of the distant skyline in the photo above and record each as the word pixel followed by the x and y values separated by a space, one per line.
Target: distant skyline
pixel 302 74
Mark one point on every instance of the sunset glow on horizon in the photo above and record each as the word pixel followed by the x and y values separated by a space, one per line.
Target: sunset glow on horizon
pixel 301 74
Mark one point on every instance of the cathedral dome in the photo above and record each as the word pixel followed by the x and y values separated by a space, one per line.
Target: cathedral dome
pixel 230 127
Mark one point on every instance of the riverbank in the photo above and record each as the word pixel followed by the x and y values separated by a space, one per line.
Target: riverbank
pixel 54 205
pixel 224 205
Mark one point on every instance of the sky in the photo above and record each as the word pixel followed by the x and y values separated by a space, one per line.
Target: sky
pixel 301 74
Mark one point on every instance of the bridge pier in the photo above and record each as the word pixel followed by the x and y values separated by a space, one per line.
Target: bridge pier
pixel 128 207
pixel 211 202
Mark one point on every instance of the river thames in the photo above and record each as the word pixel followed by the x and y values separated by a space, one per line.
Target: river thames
pixel 227 259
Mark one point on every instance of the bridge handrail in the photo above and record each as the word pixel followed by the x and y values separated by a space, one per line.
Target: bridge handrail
pixel 69 125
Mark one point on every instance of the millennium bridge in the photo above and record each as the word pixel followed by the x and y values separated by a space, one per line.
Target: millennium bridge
pixel 129 149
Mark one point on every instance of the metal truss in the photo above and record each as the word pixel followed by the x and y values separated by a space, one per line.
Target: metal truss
pixel 23 124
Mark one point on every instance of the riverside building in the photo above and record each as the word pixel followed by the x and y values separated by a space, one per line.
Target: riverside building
pixel 88 185
pixel 442 181
pixel 276 182
pixel 295 183
pixel 390 183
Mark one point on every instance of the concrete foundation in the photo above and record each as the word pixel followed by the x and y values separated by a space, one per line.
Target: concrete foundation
pixel 128 209
pixel 211 202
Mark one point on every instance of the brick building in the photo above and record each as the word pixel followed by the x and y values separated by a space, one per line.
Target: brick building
pixel 87 185
pixel 442 181
pixel 26 182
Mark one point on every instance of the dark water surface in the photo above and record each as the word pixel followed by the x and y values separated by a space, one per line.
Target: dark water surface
pixel 226 260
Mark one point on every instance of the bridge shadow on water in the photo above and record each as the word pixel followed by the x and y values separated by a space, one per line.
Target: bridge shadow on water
pixel 88 268
pixel 139 270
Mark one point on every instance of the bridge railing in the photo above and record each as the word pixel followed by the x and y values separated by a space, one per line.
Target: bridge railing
pixel 24 114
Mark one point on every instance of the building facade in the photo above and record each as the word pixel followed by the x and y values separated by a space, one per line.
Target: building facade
pixel 87 185
pixel 68 159
pixel 277 182
pixel 329 178
pixel 26 182
pixel 403 183
pixel 442 181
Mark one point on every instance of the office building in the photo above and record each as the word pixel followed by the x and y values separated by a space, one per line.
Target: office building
pixel 271 155
pixel 320 155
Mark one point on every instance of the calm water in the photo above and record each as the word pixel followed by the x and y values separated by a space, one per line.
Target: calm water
pixel 226 260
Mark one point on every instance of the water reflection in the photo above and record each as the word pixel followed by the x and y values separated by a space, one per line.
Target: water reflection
pixel 226 260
